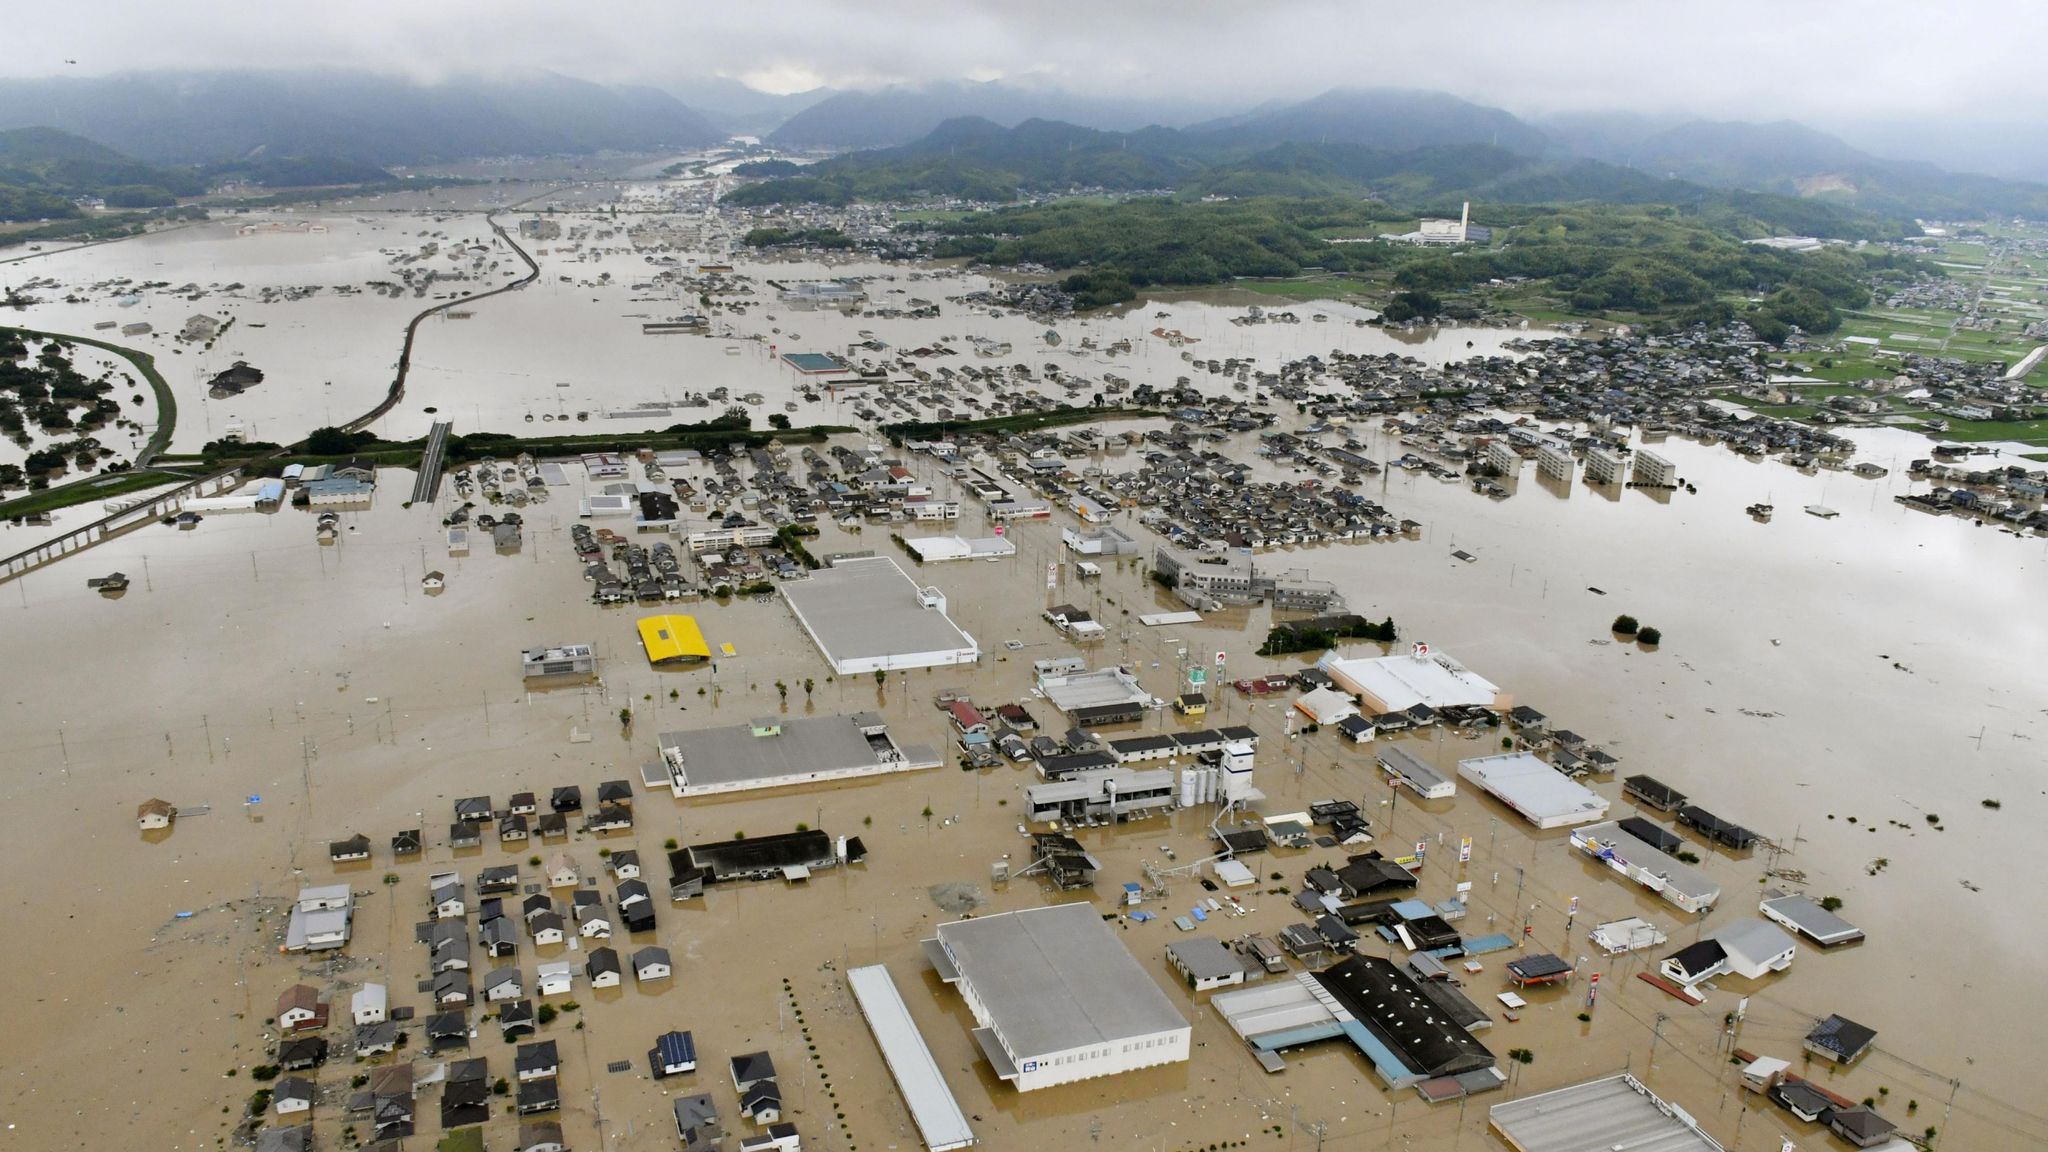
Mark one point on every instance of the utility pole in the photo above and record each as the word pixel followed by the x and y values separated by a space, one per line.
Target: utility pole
pixel 1656 1034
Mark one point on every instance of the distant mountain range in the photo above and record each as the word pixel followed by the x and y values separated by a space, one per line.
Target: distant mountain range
pixel 204 118
pixel 975 159
pixel 1389 119
pixel 902 114
pixel 978 140
pixel 1783 158
pixel 1792 159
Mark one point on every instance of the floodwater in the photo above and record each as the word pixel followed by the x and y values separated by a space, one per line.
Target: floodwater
pixel 326 681
pixel 1830 683
pixel 571 344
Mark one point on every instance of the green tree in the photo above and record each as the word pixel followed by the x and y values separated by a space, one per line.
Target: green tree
pixel 1625 625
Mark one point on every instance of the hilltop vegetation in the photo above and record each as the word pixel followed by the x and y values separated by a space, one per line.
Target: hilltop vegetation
pixel 1650 261
pixel 43 170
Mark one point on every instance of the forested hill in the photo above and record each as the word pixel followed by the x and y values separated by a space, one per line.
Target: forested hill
pixel 977 160
pixel 43 170
pixel 1659 262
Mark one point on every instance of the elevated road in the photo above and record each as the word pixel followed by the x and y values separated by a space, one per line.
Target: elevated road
pixel 428 482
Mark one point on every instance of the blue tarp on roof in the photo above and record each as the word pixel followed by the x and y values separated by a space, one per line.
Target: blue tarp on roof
pixel 1412 909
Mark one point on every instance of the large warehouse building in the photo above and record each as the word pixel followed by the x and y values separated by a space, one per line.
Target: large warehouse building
pixel 1057 996
pixel 1398 683
pixel 868 615
pixel 779 751
pixel 1617 1112
pixel 1533 788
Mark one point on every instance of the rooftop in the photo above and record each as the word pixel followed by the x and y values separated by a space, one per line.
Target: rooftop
pixel 1535 789
pixel 1205 957
pixel 1804 915
pixel 1056 978
pixel 1617 1112
pixel 788 750
pixel 1401 682
pixel 939 1119
pixel 673 640
pixel 867 614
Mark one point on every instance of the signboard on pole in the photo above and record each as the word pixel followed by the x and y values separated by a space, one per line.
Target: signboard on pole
pixel 1464 849
pixel 1219 657
pixel 1052 575
pixel 1197 677
pixel 1593 990
pixel 1574 909
pixel 1421 849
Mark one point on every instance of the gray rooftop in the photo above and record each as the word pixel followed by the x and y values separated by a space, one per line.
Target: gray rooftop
pixel 1617 1112
pixel 1206 957
pixel 1804 915
pixel 868 610
pixel 1677 875
pixel 1533 788
pixel 733 756
pixel 1056 978
pixel 1401 763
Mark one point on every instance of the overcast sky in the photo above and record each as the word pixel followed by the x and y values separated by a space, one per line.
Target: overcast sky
pixel 1826 61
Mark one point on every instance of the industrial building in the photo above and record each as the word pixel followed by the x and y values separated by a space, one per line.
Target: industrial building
pixel 1615 1112
pixel 1105 541
pixel 940 1122
pixel 673 640
pixel 1536 790
pixel 1057 996
pixel 780 751
pixel 1682 885
pixel 937 549
pixel 788 855
pixel 1212 582
pixel 1397 683
pixel 561 660
pixel 1117 793
pixel 868 615
pixel 1111 688
pixel 1404 1027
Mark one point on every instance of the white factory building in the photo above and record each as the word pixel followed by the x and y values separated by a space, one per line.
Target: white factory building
pixel 1057 996
pixel 1398 683
pixel 868 615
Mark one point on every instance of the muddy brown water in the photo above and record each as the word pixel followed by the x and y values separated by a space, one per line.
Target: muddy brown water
pixel 249 660
pixel 1879 666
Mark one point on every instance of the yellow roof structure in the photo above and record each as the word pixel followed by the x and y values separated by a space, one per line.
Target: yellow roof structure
pixel 673 640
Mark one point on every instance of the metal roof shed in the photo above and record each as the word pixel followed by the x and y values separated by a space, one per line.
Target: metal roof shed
pixel 940 1123
pixel 1426 781
pixel 1616 1112
pixel 1809 919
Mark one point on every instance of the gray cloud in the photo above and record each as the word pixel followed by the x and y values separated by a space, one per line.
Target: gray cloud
pixel 1826 61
